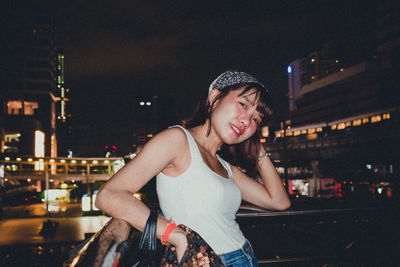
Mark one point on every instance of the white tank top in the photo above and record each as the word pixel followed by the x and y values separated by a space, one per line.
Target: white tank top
pixel 204 201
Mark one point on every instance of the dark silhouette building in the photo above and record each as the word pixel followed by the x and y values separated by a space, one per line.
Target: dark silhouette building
pixel 29 89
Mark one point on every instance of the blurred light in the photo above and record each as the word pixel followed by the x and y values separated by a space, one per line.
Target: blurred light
pixel 289 69
pixel 313 60
pixel 63 161
pixel 51 180
pixel 56 195
pixel 39 165
pixel 39 144
pixel 386 116
pixel 106 161
pixel 18 159
pixel 95 161
pixel 114 147
pixel 28 180
pixel 376 118
pixel 148 103
pixel 73 181
pixel 263 140
pixel 341 126
pixel 132 155
pixel 51 160
pixel 369 166
pixel 30 159
pixel 357 122
pixel 85 203
pixel 138 196
pixel 94 200
pixel 341 69
pixel 64 186
pixel 83 161
pixel 6 158
pixel 337 61
pixel 265 131
pixel 73 161
pixel 141 103
pixel 312 136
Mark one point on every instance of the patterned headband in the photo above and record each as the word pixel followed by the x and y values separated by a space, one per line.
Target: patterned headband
pixel 229 78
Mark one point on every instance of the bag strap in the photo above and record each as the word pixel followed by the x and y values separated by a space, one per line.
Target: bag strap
pixel 148 241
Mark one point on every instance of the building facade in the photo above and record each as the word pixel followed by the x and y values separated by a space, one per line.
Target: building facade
pixel 29 83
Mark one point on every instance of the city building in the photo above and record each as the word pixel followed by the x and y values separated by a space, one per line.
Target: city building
pixel 304 71
pixel 63 112
pixel 29 86
pixel 341 137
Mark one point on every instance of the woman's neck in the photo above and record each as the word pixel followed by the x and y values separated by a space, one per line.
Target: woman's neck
pixel 210 143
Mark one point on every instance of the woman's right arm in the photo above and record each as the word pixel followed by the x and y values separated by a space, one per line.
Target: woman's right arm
pixel 116 199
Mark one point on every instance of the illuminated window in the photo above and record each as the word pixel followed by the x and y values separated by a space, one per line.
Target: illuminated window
pixel 312 136
pixel 365 120
pixel 39 165
pixel 39 144
pixel 376 118
pixel 386 116
pixel 341 126
pixel 311 131
pixel 289 133
pixel 319 129
pixel 334 127
pixel 296 133
pixel 357 122
pixel 348 123
pixel 14 107
pixel 30 107
pixel 11 137
pixel 303 131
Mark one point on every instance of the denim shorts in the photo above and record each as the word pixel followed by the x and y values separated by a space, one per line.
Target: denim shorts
pixel 241 257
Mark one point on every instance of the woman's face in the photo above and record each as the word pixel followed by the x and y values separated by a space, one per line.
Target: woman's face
pixel 235 117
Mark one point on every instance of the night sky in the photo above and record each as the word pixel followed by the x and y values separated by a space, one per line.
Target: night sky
pixel 120 52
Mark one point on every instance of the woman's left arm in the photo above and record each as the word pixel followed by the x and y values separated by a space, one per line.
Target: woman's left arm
pixel 271 194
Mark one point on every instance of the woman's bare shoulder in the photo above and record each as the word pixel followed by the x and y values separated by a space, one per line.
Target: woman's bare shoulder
pixel 173 138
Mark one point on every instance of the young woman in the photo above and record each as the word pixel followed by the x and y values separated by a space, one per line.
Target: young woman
pixel 197 188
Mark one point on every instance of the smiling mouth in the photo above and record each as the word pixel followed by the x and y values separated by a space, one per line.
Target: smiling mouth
pixel 237 130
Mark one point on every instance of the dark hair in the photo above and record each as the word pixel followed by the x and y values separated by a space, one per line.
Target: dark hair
pixel 245 154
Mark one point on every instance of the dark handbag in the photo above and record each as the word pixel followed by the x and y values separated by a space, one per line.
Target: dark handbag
pixel 148 253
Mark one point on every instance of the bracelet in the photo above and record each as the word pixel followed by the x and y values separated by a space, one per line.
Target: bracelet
pixel 266 154
pixel 170 227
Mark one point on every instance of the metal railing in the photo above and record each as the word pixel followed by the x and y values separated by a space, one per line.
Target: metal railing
pixel 317 237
